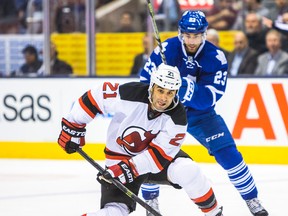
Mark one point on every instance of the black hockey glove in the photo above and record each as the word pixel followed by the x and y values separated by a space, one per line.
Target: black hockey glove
pixel 72 136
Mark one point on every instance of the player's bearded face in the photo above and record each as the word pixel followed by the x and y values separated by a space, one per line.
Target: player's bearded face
pixel 161 98
pixel 192 41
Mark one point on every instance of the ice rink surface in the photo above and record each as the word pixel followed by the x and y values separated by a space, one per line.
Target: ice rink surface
pixel 69 188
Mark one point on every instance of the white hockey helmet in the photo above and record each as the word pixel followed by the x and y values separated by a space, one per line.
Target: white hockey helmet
pixel 167 77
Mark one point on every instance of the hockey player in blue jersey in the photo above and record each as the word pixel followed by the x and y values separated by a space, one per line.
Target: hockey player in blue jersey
pixel 203 69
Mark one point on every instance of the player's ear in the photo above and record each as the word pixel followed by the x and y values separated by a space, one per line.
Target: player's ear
pixel 180 35
pixel 204 35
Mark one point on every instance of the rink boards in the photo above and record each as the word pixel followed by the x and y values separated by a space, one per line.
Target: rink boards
pixel 255 110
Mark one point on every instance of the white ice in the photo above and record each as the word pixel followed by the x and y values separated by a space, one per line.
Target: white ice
pixel 69 188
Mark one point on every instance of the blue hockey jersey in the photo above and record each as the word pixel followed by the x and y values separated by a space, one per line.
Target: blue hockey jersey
pixel 207 67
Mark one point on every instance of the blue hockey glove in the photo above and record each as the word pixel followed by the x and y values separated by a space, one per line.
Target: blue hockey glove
pixel 186 90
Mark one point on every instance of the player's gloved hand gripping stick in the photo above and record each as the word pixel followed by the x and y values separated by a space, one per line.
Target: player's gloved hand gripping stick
pixel 72 136
pixel 118 184
pixel 124 171
pixel 72 139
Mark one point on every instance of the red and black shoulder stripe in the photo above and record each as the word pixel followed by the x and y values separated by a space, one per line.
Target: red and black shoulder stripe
pixel 88 104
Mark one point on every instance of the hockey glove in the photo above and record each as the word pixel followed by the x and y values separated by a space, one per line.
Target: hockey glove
pixel 186 90
pixel 124 171
pixel 72 136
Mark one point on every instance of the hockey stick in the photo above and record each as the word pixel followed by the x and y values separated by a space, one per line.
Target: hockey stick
pixel 156 32
pixel 119 185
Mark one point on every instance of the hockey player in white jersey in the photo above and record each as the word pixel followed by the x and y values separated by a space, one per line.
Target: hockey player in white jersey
pixel 143 141
pixel 203 68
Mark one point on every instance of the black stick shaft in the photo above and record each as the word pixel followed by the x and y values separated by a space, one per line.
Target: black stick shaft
pixel 156 32
pixel 119 184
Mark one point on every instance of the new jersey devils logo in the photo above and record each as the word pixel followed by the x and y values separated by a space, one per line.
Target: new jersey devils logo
pixel 135 139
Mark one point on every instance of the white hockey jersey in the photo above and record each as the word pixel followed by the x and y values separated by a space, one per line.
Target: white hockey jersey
pixel 135 131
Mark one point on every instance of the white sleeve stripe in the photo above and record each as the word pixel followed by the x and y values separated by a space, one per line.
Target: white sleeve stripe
pixel 78 115
pixel 143 78
pixel 214 91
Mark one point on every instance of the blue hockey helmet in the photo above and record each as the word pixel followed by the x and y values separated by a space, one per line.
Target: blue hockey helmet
pixel 193 22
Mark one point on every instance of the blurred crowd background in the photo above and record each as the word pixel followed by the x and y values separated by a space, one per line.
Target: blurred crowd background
pixel 115 37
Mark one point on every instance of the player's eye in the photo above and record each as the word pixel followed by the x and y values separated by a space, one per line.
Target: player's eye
pixel 171 93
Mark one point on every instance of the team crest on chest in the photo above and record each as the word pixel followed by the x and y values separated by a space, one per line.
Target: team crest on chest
pixel 135 139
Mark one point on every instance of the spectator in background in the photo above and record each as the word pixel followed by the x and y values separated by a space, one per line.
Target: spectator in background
pixel 255 32
pixel 281 26
pixel 247 7
pixel 275 61
pixel 243 59
pixel 126 22
pixel 34 18
pixel 32 62
pixel 21 6
pixel 57 66
pixel 141 58
pixel 171 13
pixel 276 12
pixel 269 4
pixel 222 16
pixel 9 23
pixel 213 37
pixel 70 17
